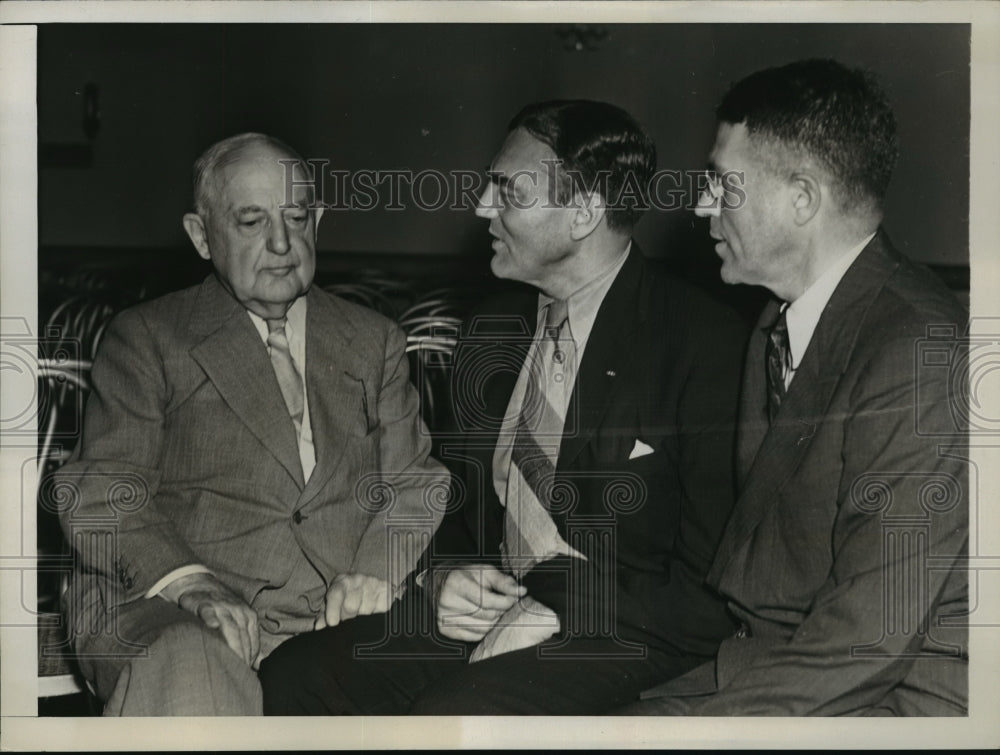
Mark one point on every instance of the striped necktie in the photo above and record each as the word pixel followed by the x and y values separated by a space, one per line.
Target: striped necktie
pixel 778 356
pixel 530 535
pixel 289 379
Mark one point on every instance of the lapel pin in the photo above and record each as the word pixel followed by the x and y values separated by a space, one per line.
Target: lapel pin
pixel 610 373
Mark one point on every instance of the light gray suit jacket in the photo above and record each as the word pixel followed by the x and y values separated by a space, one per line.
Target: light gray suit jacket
pixel 188 455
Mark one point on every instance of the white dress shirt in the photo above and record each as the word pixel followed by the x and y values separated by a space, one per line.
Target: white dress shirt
pixel 583 306
pixel 802 315
pixel 582 312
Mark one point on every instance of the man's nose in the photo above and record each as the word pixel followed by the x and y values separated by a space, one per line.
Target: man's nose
pixel 277 238
pixel 708 205
pixel 487 207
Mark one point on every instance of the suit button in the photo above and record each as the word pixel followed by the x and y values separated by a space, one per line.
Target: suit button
pixel 128 583
pixel 297 517
pixel 743 632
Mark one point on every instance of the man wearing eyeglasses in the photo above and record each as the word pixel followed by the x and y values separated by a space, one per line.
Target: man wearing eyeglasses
pixel 843 557
pixel 595 405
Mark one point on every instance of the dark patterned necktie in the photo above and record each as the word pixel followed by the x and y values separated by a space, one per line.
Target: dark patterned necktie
pixel 289 378
pixel 778 356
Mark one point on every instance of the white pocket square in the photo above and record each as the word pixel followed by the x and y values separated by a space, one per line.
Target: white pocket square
pixel 640 449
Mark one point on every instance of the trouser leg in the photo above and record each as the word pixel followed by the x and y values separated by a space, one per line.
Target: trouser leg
pixel 659 706
pixel 365 666
pixel 594 680
pixel 159 660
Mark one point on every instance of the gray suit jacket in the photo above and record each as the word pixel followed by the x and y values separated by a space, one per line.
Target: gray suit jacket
pixel 188 455
pixel 839 559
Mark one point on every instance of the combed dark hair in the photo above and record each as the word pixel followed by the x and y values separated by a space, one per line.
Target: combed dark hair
pixel 206 165
pixel 599 146
pixel 839 116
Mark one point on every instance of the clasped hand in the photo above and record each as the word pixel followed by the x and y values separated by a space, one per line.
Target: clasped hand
pixel 479 603
pixel 470 600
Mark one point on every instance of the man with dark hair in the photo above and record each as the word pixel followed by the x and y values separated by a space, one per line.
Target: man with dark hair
pixel 219 505
pixel 842 557
pixel 608 153
pixel 594 411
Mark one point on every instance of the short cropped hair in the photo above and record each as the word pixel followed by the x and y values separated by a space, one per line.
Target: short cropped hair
pixel 839 116
pixel 209 161
pixel 599 146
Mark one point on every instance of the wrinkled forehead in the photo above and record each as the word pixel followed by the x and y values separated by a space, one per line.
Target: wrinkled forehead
pixel 261 174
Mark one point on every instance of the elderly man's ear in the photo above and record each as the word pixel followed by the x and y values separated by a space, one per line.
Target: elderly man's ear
pixel 195 228
pixel 590 209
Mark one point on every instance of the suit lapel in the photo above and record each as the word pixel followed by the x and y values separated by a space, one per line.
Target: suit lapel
pixel 495 345
pixel 805 405
pixel 235 359
pixel 520 331
pixel 753 421
pixel 339 384
pixel 607 358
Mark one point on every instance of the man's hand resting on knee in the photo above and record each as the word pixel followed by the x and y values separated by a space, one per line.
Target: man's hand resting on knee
pixel 471 598
pixel 220 608
pixel 353 595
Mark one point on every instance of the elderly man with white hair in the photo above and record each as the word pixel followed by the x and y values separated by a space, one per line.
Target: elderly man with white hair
pixel 243 417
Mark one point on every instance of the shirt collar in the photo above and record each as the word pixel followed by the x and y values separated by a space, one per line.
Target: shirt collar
pixel 803 314
pixel 295 321
pixel 583 304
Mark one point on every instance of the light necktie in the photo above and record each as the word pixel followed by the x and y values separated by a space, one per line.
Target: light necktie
pixel 289 379
pixel 530 535
pixel 778 356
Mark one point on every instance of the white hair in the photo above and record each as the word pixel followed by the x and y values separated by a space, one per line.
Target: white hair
pixel 209 161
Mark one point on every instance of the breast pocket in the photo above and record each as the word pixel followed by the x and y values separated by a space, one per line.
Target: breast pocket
pixel 362 439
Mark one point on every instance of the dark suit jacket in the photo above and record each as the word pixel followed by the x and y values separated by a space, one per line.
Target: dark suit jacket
pixel 661 366
pixel 839 558
pixel 188 455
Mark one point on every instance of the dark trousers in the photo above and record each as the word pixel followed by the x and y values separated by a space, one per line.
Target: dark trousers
pixel 396 664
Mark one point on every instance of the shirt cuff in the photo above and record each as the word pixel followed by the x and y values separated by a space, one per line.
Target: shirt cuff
pixel 175 575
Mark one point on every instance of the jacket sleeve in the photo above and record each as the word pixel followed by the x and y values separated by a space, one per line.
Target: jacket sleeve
pixel 409 491
pixel 472 528
pixel 690 612
pixel 111 507
pixel 869 622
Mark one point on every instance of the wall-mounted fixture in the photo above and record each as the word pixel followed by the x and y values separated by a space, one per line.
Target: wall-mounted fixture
pixel 76 154
pixel 579 37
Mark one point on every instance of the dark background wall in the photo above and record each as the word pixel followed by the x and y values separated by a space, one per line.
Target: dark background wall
pixel 438 96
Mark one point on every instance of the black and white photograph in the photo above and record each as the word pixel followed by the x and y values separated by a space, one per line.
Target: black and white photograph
pixel 416 375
